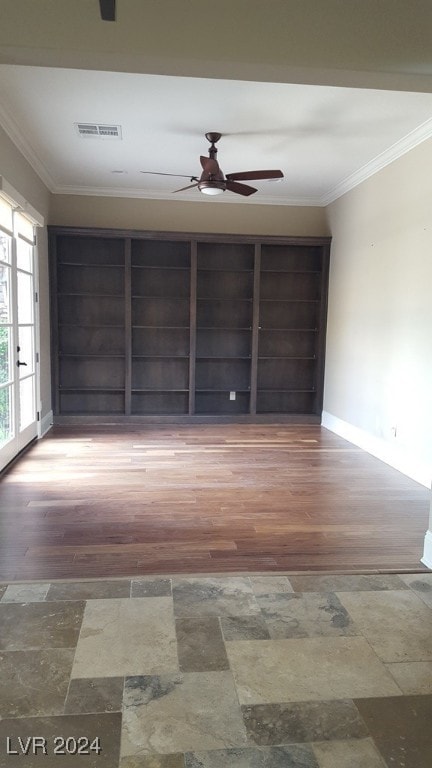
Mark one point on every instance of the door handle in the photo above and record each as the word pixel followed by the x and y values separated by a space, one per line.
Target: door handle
pixel 20 363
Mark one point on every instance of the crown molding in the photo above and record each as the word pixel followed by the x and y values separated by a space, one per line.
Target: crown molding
pixel 190 197
pixel 12 129
pixel 399 148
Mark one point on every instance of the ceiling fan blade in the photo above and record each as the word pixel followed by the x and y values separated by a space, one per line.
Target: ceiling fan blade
pixel 183 188
pixel 210 165
pixel 250 175
pixel 177 175
pixel 107 10
pixel 240 189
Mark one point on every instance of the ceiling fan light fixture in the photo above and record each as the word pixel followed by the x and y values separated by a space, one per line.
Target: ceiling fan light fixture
pixel 211 187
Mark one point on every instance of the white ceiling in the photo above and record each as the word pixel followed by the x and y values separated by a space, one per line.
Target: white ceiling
pixel 324 139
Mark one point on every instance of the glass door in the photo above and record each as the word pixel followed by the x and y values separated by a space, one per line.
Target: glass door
pixel 18 415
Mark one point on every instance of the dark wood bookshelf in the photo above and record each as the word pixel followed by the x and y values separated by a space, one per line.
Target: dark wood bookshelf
pixel 187 327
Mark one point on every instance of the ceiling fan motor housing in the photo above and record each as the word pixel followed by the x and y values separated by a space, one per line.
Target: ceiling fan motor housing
pixel 212 180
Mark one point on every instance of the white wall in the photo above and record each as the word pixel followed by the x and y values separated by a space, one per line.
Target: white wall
pixel 378 386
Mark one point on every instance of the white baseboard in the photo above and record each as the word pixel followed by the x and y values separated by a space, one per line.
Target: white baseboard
pixel 381 449
pixel 46 423
pixel 427 552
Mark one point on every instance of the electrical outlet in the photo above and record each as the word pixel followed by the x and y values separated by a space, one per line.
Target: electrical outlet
pixel 232 395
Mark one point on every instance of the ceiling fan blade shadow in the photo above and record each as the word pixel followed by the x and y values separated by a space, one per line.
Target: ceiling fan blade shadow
pixel 177 175
pixel 240 189
pixel 107 10
pixel 250 175
pixel 183 188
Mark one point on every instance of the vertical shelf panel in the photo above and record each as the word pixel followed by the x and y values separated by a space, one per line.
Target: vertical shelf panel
pixel 255 328
pixel 322 328
pixel 193 328
pixel 128 327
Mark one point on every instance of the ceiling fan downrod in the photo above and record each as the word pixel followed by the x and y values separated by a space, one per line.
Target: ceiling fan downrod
pixel 213 138
pixel 212 181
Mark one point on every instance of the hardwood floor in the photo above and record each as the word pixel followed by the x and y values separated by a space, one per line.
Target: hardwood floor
pixel 116 501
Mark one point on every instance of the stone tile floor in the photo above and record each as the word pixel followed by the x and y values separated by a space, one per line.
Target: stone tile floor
pixel 309 671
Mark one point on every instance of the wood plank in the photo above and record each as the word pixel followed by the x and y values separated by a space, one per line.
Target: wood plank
pixel 91 502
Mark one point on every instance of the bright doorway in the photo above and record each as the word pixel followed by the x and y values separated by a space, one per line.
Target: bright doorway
pixel 18 323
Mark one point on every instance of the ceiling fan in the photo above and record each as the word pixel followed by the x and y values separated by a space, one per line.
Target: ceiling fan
pixel 212 180
pixel 107 10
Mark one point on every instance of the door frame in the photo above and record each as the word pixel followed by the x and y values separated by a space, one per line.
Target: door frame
pixel 21 438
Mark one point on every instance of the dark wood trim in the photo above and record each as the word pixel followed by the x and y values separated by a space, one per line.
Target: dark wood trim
pixel 54 329
pixel 246 418
pixel 193 326
pixel 322 330
pixel 128 327
pixel 255 328
pixel 204 237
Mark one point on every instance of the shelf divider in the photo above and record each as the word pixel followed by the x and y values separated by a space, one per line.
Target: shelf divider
pixel 128 327
pixel 193 326
pixel 255 329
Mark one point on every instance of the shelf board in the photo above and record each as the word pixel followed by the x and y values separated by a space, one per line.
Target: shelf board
pixel 284 330
pixel 91 294
pixel 222 328
pixel 143 390
pixel 162 298
pixel 159 357
pixel 287 357
pixel 223 357
pixel 222 270
pixel 86 264
pixel 218 389
pixel 89 325
pixel 291 271
pixel 87 355
pixel 91 389
pixel 160 267
pixel 289 301
pixel 223 298
pixel 285 389
pixel 162 327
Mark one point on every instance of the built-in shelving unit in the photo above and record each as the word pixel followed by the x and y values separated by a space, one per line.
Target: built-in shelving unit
pixel 175 327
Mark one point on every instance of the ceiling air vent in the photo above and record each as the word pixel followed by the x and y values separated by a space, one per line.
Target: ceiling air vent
pixel 98 131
